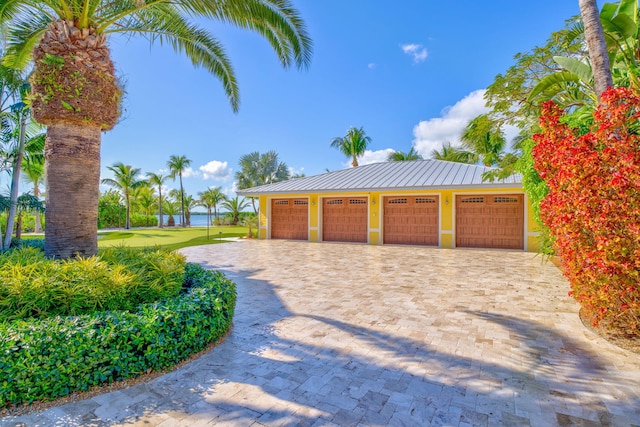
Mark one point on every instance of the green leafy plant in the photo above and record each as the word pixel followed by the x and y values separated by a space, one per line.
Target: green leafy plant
pixel 32 286
pixel 52 357
pixel 593 206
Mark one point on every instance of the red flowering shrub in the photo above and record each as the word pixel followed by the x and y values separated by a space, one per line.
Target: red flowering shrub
pixel 593 206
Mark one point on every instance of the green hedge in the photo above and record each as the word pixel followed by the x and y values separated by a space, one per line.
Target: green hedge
pixel 49 358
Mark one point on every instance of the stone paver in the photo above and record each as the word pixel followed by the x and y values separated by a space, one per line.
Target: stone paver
pixel 358 335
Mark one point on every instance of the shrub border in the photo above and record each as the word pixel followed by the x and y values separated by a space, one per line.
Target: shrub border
pixel 50 358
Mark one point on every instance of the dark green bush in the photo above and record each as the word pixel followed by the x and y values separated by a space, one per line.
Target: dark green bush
pixel 119 279
pixel 49 358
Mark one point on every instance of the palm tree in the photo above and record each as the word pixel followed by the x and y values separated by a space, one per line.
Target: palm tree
pixel 76 93
pixel 450 153
pixel 484 137
pixel 353 144
pixel 189 204
pixel 260 169
pixel 399 156
pixel 598 55
pixel 21 139
pixel 210 198
pixel 34 172
pixel 171 208
pixel 143 200
pixel 177 165
pixel 126 180
pixel 158 181
pixel 234 207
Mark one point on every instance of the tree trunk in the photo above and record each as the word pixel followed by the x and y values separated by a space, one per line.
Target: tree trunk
pixel 38 223
pixel 72 162
pixel 598 55
pixel 15 180
pixel 160 223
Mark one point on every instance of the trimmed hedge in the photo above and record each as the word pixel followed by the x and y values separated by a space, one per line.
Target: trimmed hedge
pixel 50 358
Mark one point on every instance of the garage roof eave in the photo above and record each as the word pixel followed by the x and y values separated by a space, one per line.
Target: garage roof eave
pixel 488 186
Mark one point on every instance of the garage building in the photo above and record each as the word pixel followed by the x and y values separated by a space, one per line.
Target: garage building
pixel 421 202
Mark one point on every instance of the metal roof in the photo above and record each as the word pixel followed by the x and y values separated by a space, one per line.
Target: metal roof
pixel 407 175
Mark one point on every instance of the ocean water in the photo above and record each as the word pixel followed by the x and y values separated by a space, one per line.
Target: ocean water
pixel 197 220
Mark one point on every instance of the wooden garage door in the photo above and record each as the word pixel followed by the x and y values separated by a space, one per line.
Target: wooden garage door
pixel 490 221
pixel 344 219
pixel 290 219
pixel 411 220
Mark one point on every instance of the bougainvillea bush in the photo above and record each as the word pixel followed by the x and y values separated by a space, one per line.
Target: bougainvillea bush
pixel 593 206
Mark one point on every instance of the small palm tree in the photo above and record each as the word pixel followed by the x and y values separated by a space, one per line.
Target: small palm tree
pixel 211 198
pixel 484 137
pixel 189 204
pixel 400 156
pixel 34 173
pixel 125 180
pixel 353 144
pixel 450 153
pixel 171 208
pixel 234 206
pixel 177 165
pixel 144 201
pixel 158 180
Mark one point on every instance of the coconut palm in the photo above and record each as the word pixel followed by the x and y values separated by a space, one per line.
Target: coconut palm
pixel 211 198
pixel 77 95
pixel 260 169
pixel 21 140
pixel 177 165
pixel 126 181
pixel 594 36
pixel 158 180
pixel 353 144
pixel 400 156
pixel 484 137
pixel 450 153
pixel 234 206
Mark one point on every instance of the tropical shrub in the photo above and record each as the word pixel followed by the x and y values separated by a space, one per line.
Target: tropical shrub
pixel 33 286
pixel 140 220
pixel 111 210
pixel 593 206
pixel 52 357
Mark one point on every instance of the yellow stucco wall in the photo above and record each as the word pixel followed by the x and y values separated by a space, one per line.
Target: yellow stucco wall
pixel 447 213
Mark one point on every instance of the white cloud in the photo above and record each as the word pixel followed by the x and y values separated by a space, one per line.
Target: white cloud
pixel 432 133
pixel 189 172
pixel 216 170
pixel 230 192
pixel 372 157
pixel 294 171
pixel 417 51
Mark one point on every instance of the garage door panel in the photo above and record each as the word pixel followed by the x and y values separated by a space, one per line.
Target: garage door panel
pixel 290 219
pixel 411 220
pixel 344 219
pixel 490 221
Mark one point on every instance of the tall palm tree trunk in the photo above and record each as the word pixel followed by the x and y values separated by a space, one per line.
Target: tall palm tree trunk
pixel 160 223
pixel 38 223
pixel 15 180
pixel 182 215
pixel 72 162
pixel 598 55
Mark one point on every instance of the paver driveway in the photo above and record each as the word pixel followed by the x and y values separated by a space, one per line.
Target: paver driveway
pixel 333 334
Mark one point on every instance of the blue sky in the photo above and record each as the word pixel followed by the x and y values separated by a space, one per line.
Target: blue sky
pixel 410 72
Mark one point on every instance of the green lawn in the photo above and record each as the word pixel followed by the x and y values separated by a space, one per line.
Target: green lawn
pixel 170 238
